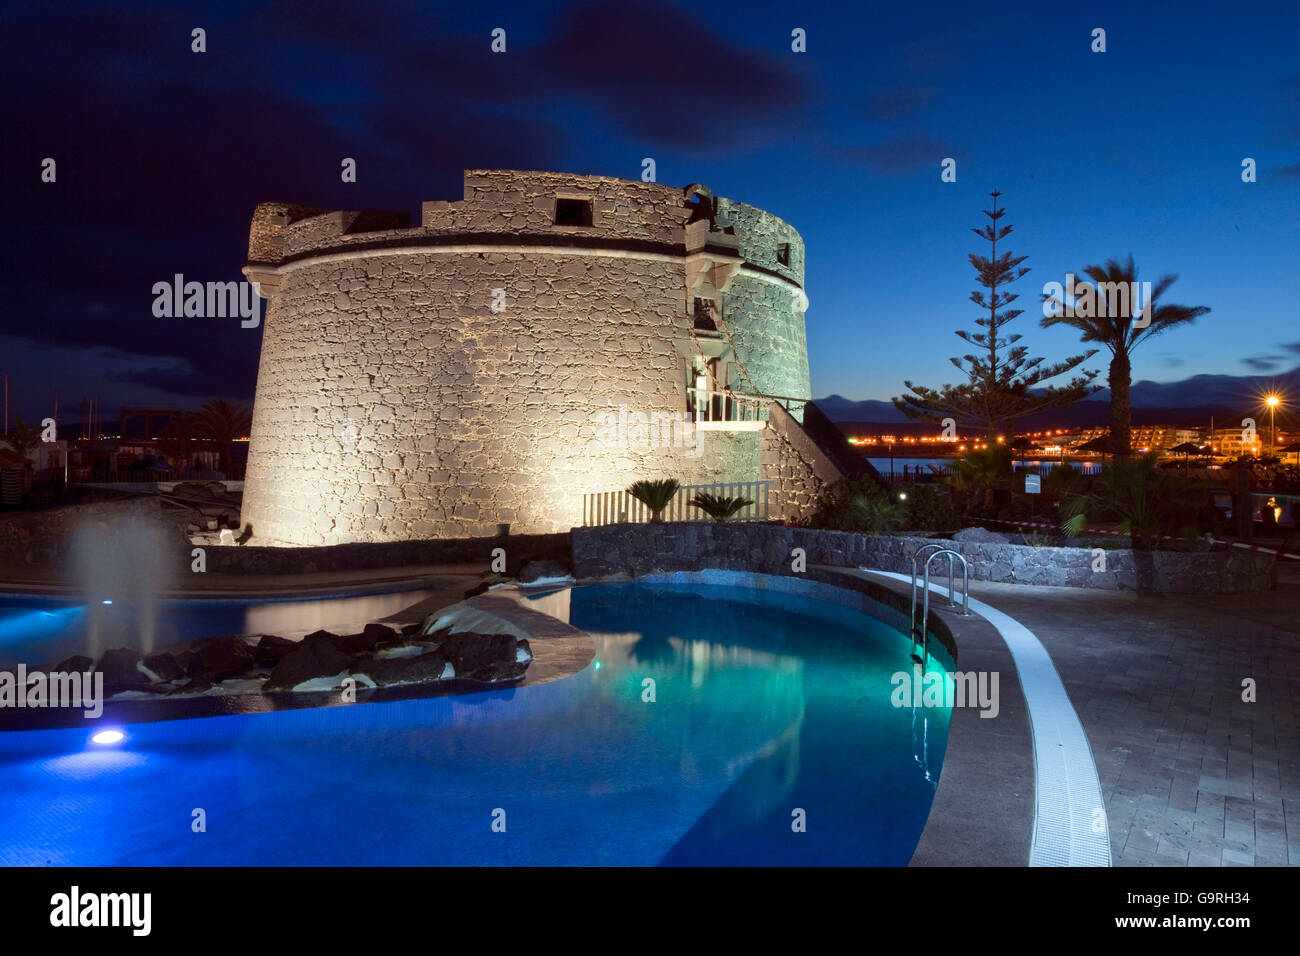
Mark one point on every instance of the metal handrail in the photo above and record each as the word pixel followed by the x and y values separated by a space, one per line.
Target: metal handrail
pixel 952 597
pixel 915 557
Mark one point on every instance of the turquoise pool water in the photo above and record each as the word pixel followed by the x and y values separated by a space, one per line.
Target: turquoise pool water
pixel 43 630
pixel 713 719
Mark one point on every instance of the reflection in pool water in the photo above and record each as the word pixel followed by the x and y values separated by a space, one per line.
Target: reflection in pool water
pixel 723 726
pixel 45 630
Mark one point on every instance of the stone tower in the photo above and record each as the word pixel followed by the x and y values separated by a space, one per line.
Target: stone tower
pixel 546 337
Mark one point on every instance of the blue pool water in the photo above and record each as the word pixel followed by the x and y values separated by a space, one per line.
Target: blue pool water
pixel 765 705
pixel 43 631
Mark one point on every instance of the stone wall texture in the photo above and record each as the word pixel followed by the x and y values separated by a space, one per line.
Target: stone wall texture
pixel 397 400
pixel 519 550
pixel 43 539
pixel 797 468
pixel 768 549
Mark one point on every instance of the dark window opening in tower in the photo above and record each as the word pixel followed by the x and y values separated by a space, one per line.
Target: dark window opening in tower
pixel 706 312
pixel 572 212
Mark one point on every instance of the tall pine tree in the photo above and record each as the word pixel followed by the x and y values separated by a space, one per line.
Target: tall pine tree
pixel 1003 382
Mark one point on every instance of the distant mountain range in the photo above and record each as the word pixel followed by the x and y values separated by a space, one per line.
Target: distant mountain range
pixel 1192 401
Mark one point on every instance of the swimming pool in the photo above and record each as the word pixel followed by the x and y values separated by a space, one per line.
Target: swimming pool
pixel 45 630
pixel 712 720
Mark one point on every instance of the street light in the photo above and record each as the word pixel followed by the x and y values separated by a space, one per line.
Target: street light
pixel 1273 402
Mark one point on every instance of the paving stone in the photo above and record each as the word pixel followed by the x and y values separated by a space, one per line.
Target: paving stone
pixel 1202 772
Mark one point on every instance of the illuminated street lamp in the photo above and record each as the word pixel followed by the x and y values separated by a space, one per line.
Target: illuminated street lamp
pixel 1273 402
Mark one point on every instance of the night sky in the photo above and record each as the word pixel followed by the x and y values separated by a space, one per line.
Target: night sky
pixel 162 154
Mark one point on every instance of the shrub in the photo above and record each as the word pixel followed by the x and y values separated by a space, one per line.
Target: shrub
pixel 1145 500
pixel 859 505
pixel 1061 481
pixel 718 507
pixel 655 495
pixel 929 507
pixel 979 473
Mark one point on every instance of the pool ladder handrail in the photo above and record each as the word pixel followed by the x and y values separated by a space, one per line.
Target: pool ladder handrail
pixel 952 599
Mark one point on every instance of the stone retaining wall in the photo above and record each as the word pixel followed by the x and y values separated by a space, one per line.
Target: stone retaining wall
pixel 519 548
pixel 768 548
pixel 42 539
pixel 799 470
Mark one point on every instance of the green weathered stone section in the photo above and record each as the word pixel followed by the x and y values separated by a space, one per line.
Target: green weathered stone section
pixel 763 313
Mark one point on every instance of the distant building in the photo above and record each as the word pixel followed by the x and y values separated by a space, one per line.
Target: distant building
pixel 1152 438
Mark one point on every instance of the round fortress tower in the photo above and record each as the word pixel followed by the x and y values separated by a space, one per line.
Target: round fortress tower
pixel 547 337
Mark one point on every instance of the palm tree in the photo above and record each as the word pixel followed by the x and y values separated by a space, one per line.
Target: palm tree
pixel 24 438
pixel 1145 498
pixel 719 507
pixel 1119 333
pixel 655 495
pixel 980 472
pixel 176 440
pixel 221 423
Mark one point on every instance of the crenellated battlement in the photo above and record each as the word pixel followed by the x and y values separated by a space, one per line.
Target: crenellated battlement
pixel 507 207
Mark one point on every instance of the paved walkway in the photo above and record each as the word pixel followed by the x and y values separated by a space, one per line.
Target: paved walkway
pixel 1191 774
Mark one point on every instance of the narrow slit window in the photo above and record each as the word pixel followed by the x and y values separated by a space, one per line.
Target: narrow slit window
pixel 783 254
pixel 706 311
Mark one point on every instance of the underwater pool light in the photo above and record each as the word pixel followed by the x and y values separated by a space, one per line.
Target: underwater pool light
pixel 106 601
pixel 106 737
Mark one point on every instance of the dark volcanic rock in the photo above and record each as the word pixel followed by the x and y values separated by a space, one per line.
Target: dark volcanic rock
pixel 318 658
pixel 980 536
pixel 77 663
pixel 270 649
pixel 381 632
pixel 119 670
pixel 402 670
pixel 222 657
pixel 355 643
pixel 484 657
pixel 165 666
pixel 486 582
pixel 188 662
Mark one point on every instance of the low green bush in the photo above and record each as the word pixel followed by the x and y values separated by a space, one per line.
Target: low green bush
pixel 859 505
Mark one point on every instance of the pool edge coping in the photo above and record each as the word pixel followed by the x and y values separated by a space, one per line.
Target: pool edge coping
pixel 972 822
pixel 1067 788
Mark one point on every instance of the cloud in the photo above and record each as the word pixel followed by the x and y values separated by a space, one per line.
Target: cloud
pixel 188 382
pixel 1291 347
pixel 662 73
pixel 900 155
pixel 1262 363
pixel 899 102
pixel 161 160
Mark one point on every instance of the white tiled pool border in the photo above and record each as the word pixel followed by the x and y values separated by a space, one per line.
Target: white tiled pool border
pixel 1068 803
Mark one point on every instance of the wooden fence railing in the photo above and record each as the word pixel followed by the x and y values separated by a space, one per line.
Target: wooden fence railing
pixel 618 507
